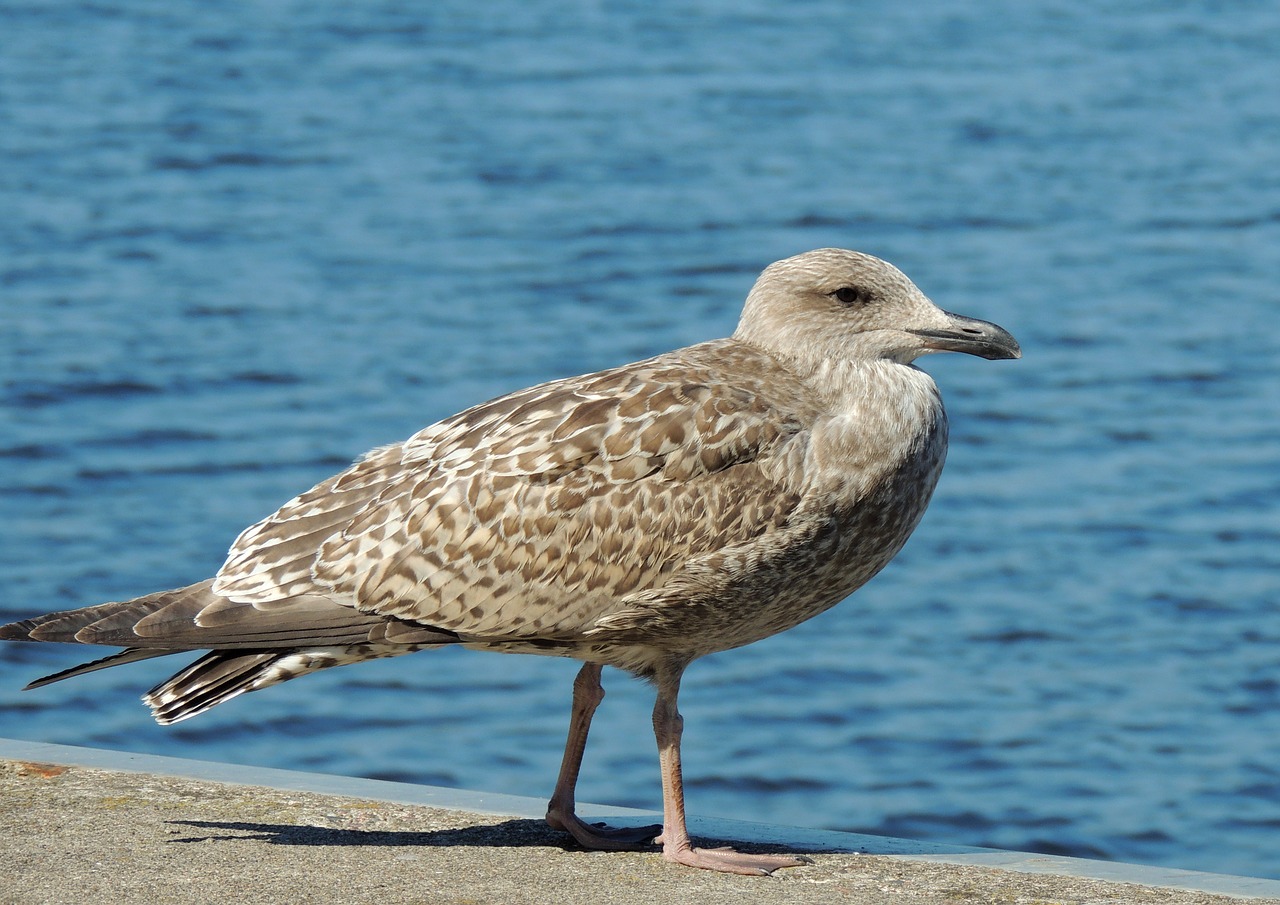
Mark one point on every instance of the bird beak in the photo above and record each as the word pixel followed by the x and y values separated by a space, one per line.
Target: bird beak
pixel 968 334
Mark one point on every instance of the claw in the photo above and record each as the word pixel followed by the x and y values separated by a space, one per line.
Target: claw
pixel 601 837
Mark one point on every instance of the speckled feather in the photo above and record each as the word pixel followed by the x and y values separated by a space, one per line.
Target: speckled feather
pixel 531 516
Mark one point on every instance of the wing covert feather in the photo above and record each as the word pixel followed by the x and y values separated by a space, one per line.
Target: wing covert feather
pixel 533 514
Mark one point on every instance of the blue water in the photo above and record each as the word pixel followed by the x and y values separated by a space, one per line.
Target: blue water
pixel 241 243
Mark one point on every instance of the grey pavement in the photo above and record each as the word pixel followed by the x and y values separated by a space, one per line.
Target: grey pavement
pixel 80 825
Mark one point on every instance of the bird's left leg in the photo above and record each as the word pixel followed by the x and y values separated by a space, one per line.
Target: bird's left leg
pixel 587 695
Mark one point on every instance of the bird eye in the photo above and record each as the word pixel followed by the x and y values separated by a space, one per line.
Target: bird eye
pixel 849 295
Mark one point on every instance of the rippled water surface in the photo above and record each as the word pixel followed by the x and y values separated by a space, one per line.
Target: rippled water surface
pixel 244 242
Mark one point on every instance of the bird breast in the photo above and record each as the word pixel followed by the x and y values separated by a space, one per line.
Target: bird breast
pixel 874 464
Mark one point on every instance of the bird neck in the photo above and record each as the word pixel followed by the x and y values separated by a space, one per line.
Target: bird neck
pixel 899 391
pixel 882 416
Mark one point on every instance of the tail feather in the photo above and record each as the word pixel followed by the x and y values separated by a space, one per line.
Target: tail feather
pixel 222 675
pixel 214 678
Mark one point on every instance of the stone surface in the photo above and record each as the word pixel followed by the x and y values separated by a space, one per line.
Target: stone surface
pixel 76 834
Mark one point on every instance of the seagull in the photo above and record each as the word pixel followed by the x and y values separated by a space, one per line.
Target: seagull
pixel 639 517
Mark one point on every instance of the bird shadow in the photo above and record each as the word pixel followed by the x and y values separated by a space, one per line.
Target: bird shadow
pixel 515 833
pixel 507 834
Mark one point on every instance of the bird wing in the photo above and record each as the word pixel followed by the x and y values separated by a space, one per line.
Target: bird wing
pixel 531 515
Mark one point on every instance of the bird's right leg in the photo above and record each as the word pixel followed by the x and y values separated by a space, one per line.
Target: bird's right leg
pixel 587 695
pixel 668 726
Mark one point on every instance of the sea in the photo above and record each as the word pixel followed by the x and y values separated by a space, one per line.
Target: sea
pixel 242 243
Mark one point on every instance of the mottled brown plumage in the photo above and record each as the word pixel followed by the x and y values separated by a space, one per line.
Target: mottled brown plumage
pixel 639 517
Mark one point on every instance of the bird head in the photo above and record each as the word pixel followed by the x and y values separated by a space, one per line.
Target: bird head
pixel 833 304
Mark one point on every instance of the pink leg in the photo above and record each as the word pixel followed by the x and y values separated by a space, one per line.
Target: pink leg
pixel 668 726
pixel 587 695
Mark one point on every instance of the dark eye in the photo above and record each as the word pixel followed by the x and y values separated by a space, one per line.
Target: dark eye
pixel 851 295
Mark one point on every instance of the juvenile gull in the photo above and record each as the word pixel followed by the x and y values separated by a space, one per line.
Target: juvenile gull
pixel 639 517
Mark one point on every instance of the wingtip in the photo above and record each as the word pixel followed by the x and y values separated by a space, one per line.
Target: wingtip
pixel 17 631
pixel 131 655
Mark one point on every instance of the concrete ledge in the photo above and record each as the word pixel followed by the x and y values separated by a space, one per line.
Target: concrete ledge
pixel 82 823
